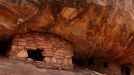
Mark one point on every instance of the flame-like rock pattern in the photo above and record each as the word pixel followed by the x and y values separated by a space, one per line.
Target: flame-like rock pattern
pixel 100 28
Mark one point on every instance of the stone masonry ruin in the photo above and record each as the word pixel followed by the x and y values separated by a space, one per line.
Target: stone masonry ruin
pixel 44 51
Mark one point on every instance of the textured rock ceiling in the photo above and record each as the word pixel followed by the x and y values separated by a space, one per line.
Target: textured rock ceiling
pixel 103 28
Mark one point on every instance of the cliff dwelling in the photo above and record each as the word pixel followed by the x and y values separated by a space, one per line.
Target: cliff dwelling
pixel 42 50
pixel 65 35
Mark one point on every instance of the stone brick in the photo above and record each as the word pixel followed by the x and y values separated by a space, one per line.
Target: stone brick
pixel 65 61
pixel 32 44
pixel 53 59
pixel 21 40
pixel 70 61
pixel 58 61
pixel 20 47
pixel 22 54
pixel 40 43
pixel 31 47
pixel 48 54
pixel 29 59
pixel 58 57
pixel 41 46
pixel 14 47
pixel 47 59
pixel 39 38
pixel 22 43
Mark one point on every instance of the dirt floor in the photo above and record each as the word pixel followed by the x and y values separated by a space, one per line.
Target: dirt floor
pixel 13 67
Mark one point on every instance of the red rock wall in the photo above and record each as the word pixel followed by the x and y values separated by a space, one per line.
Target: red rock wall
pixel 95 27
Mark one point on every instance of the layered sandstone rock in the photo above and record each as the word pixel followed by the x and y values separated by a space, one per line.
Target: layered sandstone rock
pixel 99 28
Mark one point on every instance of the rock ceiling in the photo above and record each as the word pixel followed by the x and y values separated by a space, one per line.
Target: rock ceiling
pixel 103 28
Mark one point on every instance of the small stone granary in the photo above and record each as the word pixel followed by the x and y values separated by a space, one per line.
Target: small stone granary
pixel 109 67
pixel 42 50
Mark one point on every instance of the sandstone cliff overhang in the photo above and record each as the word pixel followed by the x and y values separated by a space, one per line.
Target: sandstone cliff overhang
pixel 96 28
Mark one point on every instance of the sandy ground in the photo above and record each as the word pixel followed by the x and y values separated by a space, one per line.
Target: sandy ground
pixel 13 67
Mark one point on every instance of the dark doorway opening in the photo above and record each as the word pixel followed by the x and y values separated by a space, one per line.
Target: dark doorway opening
pixel 125 70
pixel 36 55
pixel 105 65
pixel 5 45
pixel 80 61
pixel 91 61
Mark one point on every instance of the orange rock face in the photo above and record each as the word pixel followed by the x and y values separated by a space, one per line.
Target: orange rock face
pixel 99 28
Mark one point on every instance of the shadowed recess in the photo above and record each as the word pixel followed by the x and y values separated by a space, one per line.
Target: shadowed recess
pixel 4 47
pixel 35 54
pixel 125 70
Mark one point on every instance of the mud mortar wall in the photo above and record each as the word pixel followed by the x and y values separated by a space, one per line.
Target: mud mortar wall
pixel 57 53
